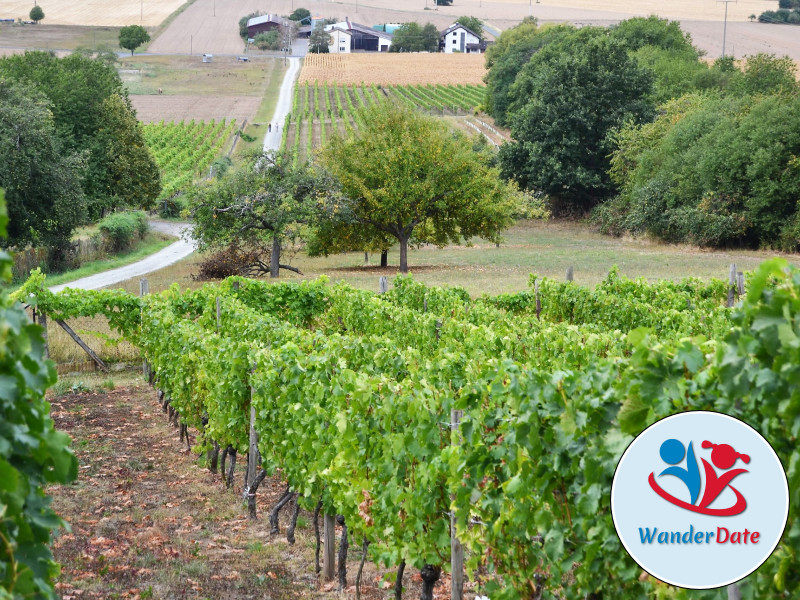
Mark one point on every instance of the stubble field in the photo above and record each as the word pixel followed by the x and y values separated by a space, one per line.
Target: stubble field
pixel 394 69
pixel 149 13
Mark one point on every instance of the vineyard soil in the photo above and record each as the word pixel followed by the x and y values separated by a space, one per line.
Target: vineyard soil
pixel 148 521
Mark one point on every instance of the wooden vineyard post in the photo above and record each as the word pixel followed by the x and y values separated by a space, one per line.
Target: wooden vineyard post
pixel 740 283
pixel 383 285
pixel 538 299
pixel 43 323
pixel 328 547
pixel 570 273
pixel 732 285
pixel 734 593
pixel 219 314
pixel 144 289
pixel 253 455
pixel 456 550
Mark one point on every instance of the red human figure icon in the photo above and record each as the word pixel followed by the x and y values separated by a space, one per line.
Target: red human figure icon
pixel 724 457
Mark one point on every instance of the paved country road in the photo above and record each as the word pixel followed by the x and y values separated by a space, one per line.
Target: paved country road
pixel 163 258
pixel 272 140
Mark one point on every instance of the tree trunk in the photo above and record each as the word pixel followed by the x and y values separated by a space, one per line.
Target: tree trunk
pixel 404 255
pixel 275 259
pixel 384 258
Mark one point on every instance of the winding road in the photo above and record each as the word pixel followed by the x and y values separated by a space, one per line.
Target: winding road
pixel 163 258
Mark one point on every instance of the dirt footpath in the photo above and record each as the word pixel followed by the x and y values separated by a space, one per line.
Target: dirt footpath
pixel 149 522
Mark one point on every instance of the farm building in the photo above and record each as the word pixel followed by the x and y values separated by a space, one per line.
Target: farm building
pixel 458 38
pixel 341 40
pixel 362 38
pixel 263 24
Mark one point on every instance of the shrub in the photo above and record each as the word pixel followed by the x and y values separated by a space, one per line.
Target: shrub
pixel 120 230
pixel 270 40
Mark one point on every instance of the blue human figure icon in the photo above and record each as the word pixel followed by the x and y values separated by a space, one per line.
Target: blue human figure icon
pixel 672 453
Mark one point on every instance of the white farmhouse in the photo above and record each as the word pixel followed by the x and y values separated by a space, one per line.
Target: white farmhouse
pixel 341 41
pixel 357 37
pixel 458 38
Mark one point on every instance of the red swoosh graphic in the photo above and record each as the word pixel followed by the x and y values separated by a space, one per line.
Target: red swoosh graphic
pixel 736 509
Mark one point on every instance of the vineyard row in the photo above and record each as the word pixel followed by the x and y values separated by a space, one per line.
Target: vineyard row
pixel 185 151
pixel 352 396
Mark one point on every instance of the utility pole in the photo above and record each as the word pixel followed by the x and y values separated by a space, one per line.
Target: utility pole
pixel 725 24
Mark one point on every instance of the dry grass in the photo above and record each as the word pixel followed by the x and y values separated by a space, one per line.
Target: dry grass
pixel 149 13
pixel 394 69
pixel 545 248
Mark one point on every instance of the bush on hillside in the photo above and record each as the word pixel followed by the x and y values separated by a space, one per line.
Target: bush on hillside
pixel 120 230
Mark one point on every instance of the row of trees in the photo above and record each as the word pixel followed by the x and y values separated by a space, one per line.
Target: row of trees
pixel 403 177
pixel 71 148
pixel 632 115
pixel 411 37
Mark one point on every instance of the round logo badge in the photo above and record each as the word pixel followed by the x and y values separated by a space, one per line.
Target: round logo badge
pixel 699 500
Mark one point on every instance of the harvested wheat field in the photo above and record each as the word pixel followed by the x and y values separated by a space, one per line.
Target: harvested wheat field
pixel 149 13
pixel 394 69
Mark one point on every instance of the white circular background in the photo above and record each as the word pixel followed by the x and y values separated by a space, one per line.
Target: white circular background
pixel 635 505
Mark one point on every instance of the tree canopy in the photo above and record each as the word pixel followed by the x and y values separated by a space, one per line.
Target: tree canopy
pixel 36 14
pixel 133 36
pixel 410 37
pixel 474 24
pixel 564 103
pixel 300 14
pixel 409 177
pixel 320 40
pixel 261 206
pixel 42 179
pixel 78 88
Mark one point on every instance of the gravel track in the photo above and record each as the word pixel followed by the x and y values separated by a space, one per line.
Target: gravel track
pixel 163 258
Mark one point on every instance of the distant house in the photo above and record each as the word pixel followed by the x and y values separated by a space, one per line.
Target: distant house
pixel 458 38
pixel 357 38
pixel 341 41
pixel 263 24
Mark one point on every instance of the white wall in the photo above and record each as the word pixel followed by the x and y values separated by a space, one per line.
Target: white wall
pixel 453 41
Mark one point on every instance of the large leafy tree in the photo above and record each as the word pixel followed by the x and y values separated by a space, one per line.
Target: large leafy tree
pixel 506 58
pixel 133 36
pixel 320 40
pixel 300 14
pixel 409 177
pixel 262 207
pixel 474 24
pixel 564 104
pixel 123 170
pixel 36 14
pixel 42 179
pixel 410 37
pixel 78 88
